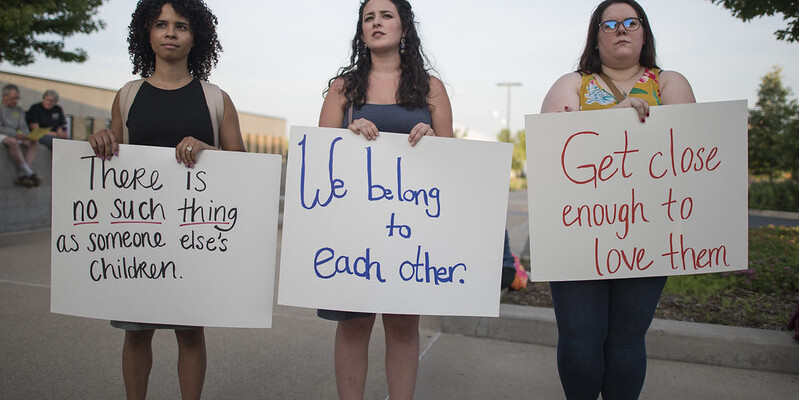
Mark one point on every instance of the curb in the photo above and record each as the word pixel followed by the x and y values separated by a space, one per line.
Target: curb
pixel 774 214
pixel 689 342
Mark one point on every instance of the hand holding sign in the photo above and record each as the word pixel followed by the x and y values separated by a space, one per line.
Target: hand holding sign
pixel 379 226
pixel 613 199
pixel 188 247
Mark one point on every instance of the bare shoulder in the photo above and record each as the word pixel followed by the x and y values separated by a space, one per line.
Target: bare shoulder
pixel 667 77
pixel 675 88
pixel 437 88
pixel 337 87
pixel 226 97
pixel 436 84
pixel 333 106
pixel 336 92
pixel 567 84
pixel 565 92
pixel 573 79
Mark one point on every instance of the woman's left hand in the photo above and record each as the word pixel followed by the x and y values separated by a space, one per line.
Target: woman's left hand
pixel 640 105
pixel 420 130
pixel 188 150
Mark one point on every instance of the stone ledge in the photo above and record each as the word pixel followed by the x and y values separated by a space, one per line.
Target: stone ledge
pixel 25 209
pixel 774 214
pixel 666 340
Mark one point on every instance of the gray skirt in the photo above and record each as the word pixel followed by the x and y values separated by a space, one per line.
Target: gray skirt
pixel 333 315
pixel 143 326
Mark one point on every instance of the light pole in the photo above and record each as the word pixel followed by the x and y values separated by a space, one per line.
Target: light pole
pixel 509 85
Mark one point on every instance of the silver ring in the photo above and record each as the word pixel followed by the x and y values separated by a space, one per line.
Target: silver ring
pixel 188 148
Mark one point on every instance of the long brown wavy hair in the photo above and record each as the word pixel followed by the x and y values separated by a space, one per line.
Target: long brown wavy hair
pixel 414 85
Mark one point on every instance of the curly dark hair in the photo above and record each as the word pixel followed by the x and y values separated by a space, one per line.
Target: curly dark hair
pixel 590 61
pixel 414 85
pixel 203 55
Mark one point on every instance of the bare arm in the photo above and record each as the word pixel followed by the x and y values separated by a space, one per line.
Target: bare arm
pixel 333 107
pixel 230 130
pixel 564 95
pixel 105 142
pixel 675 89
pixel 441 109
pixel 440 113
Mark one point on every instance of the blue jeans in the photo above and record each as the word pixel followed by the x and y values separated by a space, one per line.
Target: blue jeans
pixel 601 335
pixel 47 140
pixel 507 256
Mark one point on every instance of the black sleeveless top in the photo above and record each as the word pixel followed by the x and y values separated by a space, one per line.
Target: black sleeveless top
pixel 163 118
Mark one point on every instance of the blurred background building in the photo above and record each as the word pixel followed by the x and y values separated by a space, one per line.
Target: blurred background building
pixel 88 109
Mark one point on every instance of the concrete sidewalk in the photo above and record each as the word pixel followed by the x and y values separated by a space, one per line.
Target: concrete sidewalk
pixel 50 356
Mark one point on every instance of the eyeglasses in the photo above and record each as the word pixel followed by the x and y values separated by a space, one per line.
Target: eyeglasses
pixel 630 24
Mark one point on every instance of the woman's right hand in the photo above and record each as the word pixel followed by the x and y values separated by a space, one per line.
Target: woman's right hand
pixel 363 126
pixel 640 105
pixel 104 144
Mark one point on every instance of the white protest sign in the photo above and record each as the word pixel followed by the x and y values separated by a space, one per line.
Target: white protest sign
pixel 611 197
pixel 384 227
pixel 142 238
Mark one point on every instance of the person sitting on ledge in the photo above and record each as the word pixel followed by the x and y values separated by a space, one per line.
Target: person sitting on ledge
pixel 48 114
pixel 14 134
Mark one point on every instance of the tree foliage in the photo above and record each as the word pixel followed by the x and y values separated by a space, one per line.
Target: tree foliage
pixel 773 128
pixel 519 160
pixel 789 161
pixel 28 27
pixel 746 10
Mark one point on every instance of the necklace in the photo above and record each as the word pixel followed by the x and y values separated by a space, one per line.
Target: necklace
pixel 625 86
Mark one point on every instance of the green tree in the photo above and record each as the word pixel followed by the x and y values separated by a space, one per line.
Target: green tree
pixel 746 10
pixel 504 136
pixel 520 153
pixel 28 27
pixel 519 160
pixel 772 127
pixel 789 149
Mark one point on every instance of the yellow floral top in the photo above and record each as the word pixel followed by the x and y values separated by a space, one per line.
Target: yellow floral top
pixel 594 97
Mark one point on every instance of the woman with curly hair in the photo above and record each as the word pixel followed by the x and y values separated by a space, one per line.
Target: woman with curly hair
pixel 173 45
pixel 386 88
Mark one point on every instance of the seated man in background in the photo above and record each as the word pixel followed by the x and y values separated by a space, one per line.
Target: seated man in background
pixel 48 114
pixel 13 134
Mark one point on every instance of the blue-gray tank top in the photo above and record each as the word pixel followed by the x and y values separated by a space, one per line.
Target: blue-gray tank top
pixel 390 117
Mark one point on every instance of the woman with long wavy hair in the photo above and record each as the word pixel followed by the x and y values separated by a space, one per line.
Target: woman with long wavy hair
pixel 386 88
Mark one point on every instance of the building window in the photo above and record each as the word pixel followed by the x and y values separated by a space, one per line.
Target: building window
pixel 89 126
pixel 69 118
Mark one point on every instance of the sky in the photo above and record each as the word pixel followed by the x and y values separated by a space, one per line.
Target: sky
pixel 279 56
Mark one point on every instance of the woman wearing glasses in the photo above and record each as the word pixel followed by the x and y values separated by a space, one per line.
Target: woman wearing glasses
pixel 602 324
